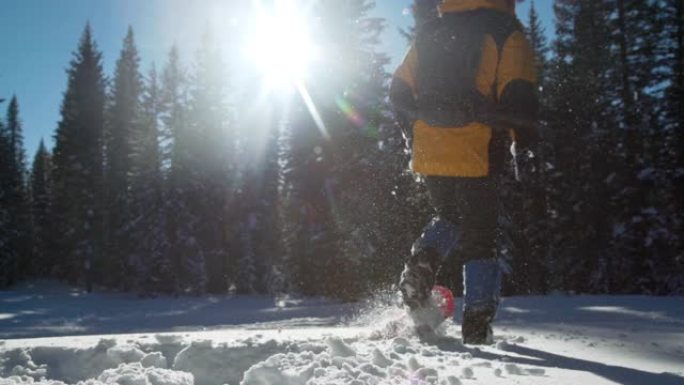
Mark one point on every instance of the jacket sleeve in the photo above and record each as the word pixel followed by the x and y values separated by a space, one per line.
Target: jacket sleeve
pixel 517 88
pixel 403 90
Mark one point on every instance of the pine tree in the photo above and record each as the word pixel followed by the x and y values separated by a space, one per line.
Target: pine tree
pixel 213 154
pixel 15 227
pixel 259 238
pixel 246 280
pixel 309 189
pixel 123 115
pixel 671 13
pixel 334 183
pixel 672 48
pixel 674 33
pixel 304 211
pixel 636 137
pixel 358 184
pixel 610 231
pixel 536 35
pixel 652 67
pixel 78 168
pixel 582 143
pixel 423 11
pixel 173 97
pixel 292 212
pixel 7 252
pixel 41 206
pixel 16 137
pixel 186 253
pixel 146 216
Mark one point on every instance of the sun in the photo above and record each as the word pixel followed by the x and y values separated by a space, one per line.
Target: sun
pixel 281 47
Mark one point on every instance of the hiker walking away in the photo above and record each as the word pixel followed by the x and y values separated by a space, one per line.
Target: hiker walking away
pixel 466 88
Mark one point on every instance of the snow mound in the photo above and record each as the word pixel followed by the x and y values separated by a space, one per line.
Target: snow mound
pixel 209 363
pixel 66 364
pixel 359 362
pixel 136 374
pixel 252 360
pixel 553 340
pixel 140 363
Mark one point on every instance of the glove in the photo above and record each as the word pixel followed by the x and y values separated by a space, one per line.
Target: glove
pixel 526 138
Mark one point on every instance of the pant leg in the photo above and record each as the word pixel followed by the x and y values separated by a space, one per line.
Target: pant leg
pixel 478 205
pixel 463 230
pixel 481 272
pixel 471 204
pixel 444 198
pixel 437 240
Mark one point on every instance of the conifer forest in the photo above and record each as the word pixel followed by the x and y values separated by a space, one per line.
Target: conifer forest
pixel 187 178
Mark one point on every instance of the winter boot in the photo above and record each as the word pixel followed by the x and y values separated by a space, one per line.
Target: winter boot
pixel 438 239
pixel 416 284
pixel 418 278
pixel 477 326
pixel 482 284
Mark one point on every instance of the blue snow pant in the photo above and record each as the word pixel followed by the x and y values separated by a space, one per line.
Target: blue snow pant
pixel 462 233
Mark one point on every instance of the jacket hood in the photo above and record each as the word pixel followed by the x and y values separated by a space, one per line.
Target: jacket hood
pixel 470 5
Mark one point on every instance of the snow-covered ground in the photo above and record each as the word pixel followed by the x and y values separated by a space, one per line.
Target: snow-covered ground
pixel 116 338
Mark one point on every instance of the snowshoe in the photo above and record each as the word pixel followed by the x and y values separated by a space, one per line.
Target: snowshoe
pixel 431 313
pixel 476 328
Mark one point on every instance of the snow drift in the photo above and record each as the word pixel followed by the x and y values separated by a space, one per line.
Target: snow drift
pixel 539 340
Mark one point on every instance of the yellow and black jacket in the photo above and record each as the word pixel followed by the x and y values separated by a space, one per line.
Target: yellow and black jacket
pixel 452 133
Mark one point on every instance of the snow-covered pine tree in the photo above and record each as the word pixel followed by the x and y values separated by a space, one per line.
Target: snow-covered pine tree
pixel 149 256
pixel 173 96
pixel 246 279
pixel 257 213
pixel 258 220
pixel 260 195
pixel 187 256
pixel 310 189
pixel 671 17
pixel 123 114
pixel 671 48
pixel 291 210
pixel 78 168
pixel 302 203
pixel 359 184
pixel 41 203
pixel 213 151
pixel 583 142
pixel 637 135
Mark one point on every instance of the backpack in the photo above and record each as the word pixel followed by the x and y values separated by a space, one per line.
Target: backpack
pixel 449 54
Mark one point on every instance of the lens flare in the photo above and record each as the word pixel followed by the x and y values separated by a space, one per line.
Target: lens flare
pixel 352 114
pixel 356 117
pixel 315 115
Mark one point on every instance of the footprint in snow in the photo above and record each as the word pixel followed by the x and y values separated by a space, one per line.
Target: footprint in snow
pixel 467 372
pixel 514 369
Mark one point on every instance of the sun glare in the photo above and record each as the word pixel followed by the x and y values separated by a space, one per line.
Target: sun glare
pixel 281 47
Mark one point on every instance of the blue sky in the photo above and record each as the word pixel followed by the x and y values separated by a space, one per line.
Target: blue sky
pixel 38 37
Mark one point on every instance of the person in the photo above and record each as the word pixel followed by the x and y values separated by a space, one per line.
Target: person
pixel 465 89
